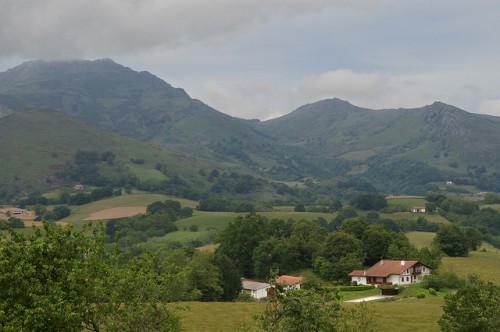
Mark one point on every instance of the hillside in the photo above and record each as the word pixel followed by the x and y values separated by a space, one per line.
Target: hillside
pixel 37 144
pixel 136 104
pixel 400 151
pixel 392 147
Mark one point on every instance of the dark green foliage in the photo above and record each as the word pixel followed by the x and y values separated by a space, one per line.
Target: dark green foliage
pixel 222 204
pixel 369 201
pixel 159 221
pixel 12 222
pixel 354 226
pixel 376 242
pixel 340 254
pixel 204 276
pixel 474 307
pixel 240 238
pixel 443 280
pixel 57 213
pixel 230 278
pixel 452 240
pixel 299 208
pixel 355 288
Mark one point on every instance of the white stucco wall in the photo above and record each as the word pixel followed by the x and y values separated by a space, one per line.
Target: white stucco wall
pixel 360 280
pixel 259 293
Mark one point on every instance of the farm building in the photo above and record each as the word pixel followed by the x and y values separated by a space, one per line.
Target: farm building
pixel 257 289
pixel 418 209
pixel 390 272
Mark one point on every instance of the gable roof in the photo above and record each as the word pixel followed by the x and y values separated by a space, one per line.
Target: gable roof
pixel 289 280
pixel 385 268
pixel 253 285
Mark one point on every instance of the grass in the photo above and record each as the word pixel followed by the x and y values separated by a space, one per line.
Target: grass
pixel 485 264
pixel 79 213
pixel 492 206
pixel 421 239
pixel 401 314
pixel 408 314
pixel 406 202
pixel 220 316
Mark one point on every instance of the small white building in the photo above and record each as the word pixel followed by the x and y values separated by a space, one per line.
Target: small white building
pixel 257 289
pixel 418 209
pixel 290 282
pixel 390 272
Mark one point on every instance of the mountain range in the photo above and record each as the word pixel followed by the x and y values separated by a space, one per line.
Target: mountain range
pixel 398 150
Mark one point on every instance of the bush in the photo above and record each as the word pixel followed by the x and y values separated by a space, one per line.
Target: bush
pixel 356 288
pixel 443 280
pixel 432 291
pixel 244 297
pixel 420 296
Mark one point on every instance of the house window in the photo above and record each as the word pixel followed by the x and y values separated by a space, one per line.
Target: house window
pixel 402 279
pixel 407 278
pixel 423 268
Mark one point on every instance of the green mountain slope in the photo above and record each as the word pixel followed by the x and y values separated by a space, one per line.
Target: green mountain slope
pixel 401 149
pixel 136 104
pixel 37 144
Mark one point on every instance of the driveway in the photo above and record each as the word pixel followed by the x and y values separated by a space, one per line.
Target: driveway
pixel 370 298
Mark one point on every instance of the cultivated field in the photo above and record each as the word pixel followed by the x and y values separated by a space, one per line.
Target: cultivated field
pixel 117 212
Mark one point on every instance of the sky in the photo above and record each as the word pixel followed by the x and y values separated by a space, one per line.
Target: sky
pixel 261 59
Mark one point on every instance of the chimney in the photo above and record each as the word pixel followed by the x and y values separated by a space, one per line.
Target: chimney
pixel 382 262
pixel 403 263
pixel 364 272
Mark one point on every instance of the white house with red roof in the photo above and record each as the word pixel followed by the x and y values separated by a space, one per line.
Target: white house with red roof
pixel 290 282
pixel 389 272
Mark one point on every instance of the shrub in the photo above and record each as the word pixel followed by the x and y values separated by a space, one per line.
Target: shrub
pixel 356 288
pixel 443 280
pixel 420 295
pixel 244 297
pixel 432 291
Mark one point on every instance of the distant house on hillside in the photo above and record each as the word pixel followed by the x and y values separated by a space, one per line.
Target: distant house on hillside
pixel 418 209
pixel 389 272
pixel 257 289
pixel 290 282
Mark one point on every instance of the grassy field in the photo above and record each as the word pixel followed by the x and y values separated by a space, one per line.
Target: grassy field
pixel 493 206
pixel 403 314
pixel 485 264
pixel 406 202
pixel 421 239
pixel 79 213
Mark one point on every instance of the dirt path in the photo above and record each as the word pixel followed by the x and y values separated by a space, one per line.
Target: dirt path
pixel 117 212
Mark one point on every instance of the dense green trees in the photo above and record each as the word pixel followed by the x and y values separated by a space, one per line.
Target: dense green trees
pixel 452 240
pixel 369 201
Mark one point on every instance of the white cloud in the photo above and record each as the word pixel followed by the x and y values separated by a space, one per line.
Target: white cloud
pixel 490 107
pixel 343 84
pixel 76 28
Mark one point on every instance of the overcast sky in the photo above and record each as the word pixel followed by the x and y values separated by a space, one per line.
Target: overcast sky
pixel 264 58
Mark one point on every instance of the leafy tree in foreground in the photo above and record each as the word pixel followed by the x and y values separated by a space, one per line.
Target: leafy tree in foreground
pixel 474 307
pixel 312 310
pixel 57 279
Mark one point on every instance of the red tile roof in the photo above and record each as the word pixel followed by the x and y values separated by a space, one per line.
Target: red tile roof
pixel 289 280
pixel 385 268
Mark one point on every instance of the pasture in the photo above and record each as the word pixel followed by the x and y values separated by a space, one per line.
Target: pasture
pixel 486 264
pixel 421 239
